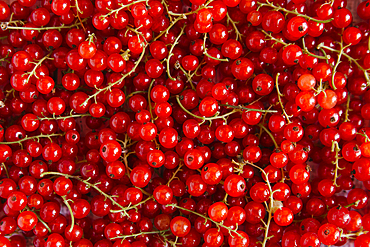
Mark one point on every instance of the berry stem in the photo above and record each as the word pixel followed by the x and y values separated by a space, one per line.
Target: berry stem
pixel 136 92
pixel 30 138
pixel 170 26
pixel 355 234
pixel 206 53
pixel 306 51
pixel 240 107
pixel 5 26
pixel 192 12
pixel 237 33
pixel 37 65
pixel 269 133
pixel 6 169
pixel 295 12
pixel 218 224
pixel 170 54
pixel 64 117
pixel 338 61
pixel 128 169
pixel 137 234
pixel 174 174
pixel 280 41
pixel 351 59
pixel 87 183
pixel 267 225
pixel 98 91
pixel 131 206
pixel 353 204
pixel 115 11
pixel 346 119
pixel 194 73
pixel 178 65
pixel 149 99
pixel 335 148
pixel 216 116
pixel 279 98
pixel 65 200
pixel 38 217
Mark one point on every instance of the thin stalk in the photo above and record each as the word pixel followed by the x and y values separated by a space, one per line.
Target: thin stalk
pixel 267 225
pixel 5 26
pixel 206 53
pixel 133 206
pixel 30 138
pixel 135 235
pixel 279 98
pixel 247 109
pixel 115 11
pixel 269 133
pixel 65 200
pixel 192 12
pixel 335 148
pixel 38 217
pixel 170 54
pixel 238 34
pixel 346 118
pixel 87 183
pixel 306 51
pixel 6 169
pixel 65 117
pixel 170 26
pixel 149 99
pixel 37 65
pixel 204 118
pixel 174 174
pixel 351 59
pixel 98 91
pixel 218 224
pixel 338 61
pixel 295 12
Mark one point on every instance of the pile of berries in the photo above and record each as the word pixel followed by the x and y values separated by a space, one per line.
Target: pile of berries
pixel 164 123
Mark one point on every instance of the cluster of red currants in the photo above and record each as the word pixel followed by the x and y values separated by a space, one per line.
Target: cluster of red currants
pixel 164 123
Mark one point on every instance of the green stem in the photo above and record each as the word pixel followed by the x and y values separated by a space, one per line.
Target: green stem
pixel 346 119
pixel 98 91
pixel 269 133
pixel 87 183
pixel 38 217
pixel 43 28
pixel 247 109
pixel 65 117
pixel 170 26
pixel 295 12
pixel 70 211
pixel 149 100
pixel 132 207
pixel 306 51
pixel 204 118
pixel 267 225
pixel 338 62
pixel 351 59
pixel 335 147
pixel 37 65
pixel 170 54
pixel 115 11
pixel 30 138
pixel 238 34
pixel 218 224
pixel 279 98
pixel 137 234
